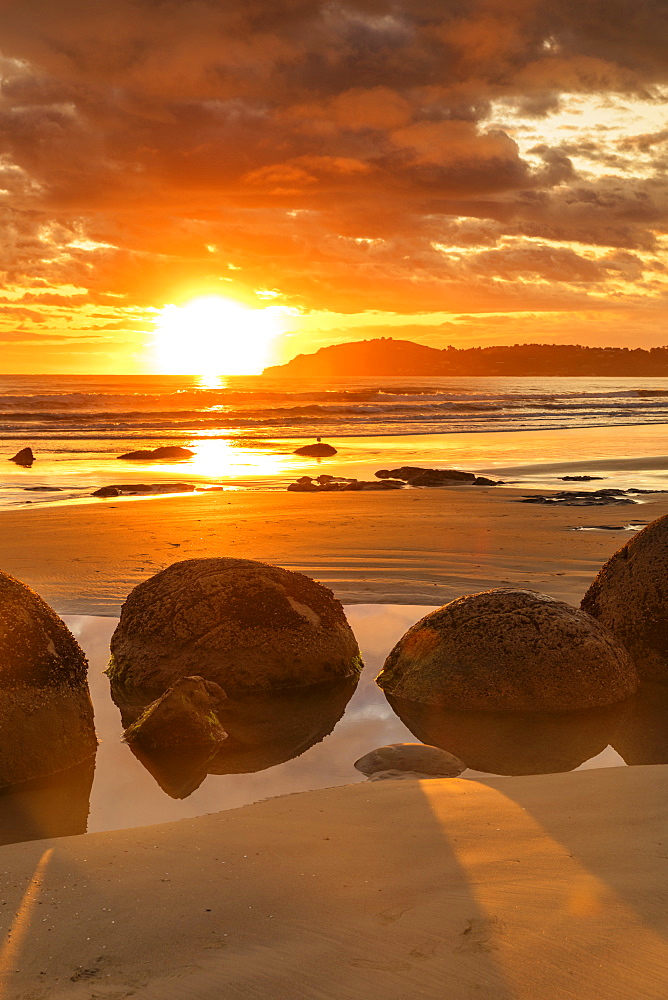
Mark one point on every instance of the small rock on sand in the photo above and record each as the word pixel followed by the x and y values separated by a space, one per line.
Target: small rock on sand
pixel 409 760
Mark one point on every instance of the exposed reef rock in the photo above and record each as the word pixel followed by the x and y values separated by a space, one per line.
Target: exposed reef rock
pixel 46 715
pixel 628 596
pixel 308 485
pixel 317 450
pixel 579 479
pixel 142 489
pixel 413 759
pixel 509 650
pixel 591 498
pixel 416 476
pixel 391 479
pixel 165 454
pixel 245 625
pixel 23 457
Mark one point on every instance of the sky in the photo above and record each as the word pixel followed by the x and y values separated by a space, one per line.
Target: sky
pixel 465 172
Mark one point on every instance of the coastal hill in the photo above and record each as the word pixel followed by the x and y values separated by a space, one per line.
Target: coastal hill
pixel 385 356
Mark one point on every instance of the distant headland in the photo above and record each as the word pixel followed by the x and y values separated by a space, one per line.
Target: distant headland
pixel 385 356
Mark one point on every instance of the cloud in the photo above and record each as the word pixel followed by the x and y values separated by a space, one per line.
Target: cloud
pixel 324 149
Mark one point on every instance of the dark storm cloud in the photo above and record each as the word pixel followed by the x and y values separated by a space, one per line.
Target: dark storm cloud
pixel 181 137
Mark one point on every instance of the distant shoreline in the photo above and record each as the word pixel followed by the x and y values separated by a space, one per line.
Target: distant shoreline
pixel 385 357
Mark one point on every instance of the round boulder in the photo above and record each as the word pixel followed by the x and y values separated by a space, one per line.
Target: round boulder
pixel 509 650
pixel 630 597
pixel 46 715
pixel 413 759
pixel 246 625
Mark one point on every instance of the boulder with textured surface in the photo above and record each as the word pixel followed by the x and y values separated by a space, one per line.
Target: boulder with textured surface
pixel 415 759
pixel 630 597
pixel 509 650
pixel 245 625
pixel 46 715
pixel 412 473
pixel 184 716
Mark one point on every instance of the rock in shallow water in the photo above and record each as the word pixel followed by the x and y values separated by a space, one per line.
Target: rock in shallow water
pixel 414 759
pixel 509 650
pixel 46 715
pixel 165 454
pixel 23 457
pixel 629 597
pixel 184 716
pixel 245 625
pixel 318 450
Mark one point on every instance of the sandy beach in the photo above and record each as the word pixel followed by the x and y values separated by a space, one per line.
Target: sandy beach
pixel 511 889
pixel 499 888
pixel 404 547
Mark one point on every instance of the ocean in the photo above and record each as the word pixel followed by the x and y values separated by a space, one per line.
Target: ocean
pixel 244 429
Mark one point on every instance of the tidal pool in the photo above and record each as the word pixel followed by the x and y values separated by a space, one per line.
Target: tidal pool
pixel 311 740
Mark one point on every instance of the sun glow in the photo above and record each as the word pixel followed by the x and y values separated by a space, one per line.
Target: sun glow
pixel 213 336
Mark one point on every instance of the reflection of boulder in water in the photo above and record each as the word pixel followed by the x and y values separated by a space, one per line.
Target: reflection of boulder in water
pixel 46 715
pixel 178 772
pixel 642 736
pixel 513 742
pixel 54 806
pixel 263 730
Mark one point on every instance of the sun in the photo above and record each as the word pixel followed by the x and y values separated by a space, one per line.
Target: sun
pixel 212 336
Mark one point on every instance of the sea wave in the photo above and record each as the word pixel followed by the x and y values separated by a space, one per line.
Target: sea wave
pixel 156 407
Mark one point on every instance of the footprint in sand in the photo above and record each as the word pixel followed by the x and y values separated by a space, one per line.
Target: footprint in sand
pixel 393 913
pixel 479 934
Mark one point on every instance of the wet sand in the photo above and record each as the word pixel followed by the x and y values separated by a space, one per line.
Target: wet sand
pixel 404 547
pixel 534 888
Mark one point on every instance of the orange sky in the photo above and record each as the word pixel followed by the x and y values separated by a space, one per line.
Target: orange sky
pixel 448 171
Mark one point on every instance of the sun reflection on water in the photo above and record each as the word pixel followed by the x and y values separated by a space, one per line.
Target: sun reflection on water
pixel 231 459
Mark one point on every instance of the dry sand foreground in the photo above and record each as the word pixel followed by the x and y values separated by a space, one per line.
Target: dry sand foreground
pixel 409 547
pixel 535 888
